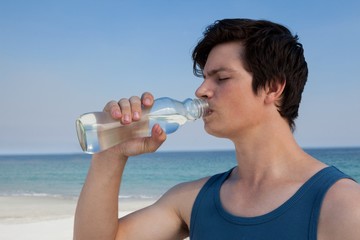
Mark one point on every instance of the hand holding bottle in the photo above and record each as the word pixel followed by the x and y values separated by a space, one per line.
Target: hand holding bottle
pixel 127 111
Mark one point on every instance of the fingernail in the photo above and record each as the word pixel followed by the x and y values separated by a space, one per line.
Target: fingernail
pixel 126 118
pixel 136 116
pixel 116 114
pixel 147 101
pixel 159 130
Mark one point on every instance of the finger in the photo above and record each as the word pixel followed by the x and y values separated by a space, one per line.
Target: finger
pixel 125 109
pixel 158 136
pixel 138 146
pixel 135 107
pixel 114 109
pixel 147 99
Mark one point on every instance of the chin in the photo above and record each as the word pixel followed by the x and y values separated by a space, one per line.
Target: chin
pixel 212 132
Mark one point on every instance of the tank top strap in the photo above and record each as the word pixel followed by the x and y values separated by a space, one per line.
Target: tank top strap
pixel 333 175
pixel 209 186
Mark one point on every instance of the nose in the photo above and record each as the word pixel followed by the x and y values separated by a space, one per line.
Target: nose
pixel 204 90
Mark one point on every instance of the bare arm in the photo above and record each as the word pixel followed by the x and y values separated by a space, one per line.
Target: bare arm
pixel 163 220
pixel 97 210
pixel 340 213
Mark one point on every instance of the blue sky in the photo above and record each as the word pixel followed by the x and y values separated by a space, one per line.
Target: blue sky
pixel 59 59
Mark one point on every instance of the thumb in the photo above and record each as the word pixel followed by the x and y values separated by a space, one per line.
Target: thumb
pixel 158 136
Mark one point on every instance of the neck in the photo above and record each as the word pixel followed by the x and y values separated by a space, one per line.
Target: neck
pixel 268 152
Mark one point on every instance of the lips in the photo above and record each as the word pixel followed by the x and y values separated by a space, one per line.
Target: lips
pixel 208 112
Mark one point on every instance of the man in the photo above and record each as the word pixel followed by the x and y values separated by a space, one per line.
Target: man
pixel 254 73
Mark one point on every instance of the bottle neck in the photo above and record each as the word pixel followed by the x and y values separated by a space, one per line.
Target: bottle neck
pixel 196 108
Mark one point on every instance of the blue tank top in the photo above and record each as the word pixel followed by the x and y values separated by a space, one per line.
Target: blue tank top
pixel 296 219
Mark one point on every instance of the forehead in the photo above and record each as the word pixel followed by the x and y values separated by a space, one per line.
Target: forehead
pixel 225 57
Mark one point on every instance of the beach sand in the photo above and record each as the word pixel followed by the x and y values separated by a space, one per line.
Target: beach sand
pixel 46 218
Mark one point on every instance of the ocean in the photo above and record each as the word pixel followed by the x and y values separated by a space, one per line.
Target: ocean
pixel 146 176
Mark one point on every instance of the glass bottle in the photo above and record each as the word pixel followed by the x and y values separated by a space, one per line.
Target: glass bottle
pixel 98 131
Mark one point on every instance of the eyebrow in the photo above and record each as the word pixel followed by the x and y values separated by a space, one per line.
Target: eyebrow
pixel 217 70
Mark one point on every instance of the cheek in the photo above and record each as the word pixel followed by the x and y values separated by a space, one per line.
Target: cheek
pixel 242 108
pixel 234 104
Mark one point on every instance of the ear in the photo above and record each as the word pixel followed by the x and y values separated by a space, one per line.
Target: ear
pixel 274 91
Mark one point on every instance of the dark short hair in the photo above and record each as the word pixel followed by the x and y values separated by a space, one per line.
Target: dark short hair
pixel 271 53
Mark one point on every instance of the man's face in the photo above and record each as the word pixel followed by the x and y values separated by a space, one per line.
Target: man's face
pixel 228 88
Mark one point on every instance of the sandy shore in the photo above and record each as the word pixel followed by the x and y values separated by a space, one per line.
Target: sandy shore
pixel 45 218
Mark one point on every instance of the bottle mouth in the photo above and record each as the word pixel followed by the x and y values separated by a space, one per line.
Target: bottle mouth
pixel 81 134
pixel 202 106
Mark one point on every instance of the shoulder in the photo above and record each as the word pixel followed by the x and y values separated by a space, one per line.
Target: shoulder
pixel 184 193
pixel 187 192
pixel 190 189
pixel 181 198
pixel 340 212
